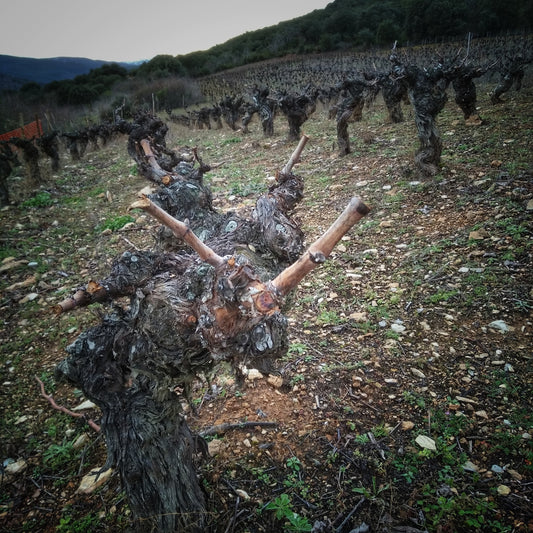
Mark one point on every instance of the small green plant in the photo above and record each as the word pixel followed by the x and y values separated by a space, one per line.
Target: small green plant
pixel 283 508
pixel 374 492
pixel 297 348
pixel 328 318
pixel 115 223
pixel 297 378
pixel 85 524
pixel 58 454
pixel 294 464
pixel 414 399
pixel 231 140
pixel 41 199
pixel 380 431
pixel 261 475
pixel 459 511
pixel 441 296
pixel 243 188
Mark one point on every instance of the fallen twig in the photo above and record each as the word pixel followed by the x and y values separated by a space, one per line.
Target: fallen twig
pixel 350 514
pixel 52 402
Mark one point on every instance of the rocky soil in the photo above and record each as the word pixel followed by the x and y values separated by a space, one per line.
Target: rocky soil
pixel 404 402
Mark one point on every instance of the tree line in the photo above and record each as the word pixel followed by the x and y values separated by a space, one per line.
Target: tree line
pixel 343 25
pixel 363 24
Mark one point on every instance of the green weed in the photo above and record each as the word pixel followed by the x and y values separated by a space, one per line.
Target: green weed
pixel 282 506
pixel 41 199
pixel 115 223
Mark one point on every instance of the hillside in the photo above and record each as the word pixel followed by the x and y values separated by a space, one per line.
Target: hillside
pixel 342 25
pixel 16 71
pixel 406 404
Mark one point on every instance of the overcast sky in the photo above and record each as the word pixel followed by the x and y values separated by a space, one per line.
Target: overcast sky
pixel 132 30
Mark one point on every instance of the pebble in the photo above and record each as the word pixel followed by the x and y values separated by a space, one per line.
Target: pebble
pixel 515 475
pixel 254 374
pixel 275 381
pixel 425 325
pixel 215 446
pixel 417 373
pixel 426 442
pixel 29 298
pixel 16 467
pixel 499 325
pixel 87 404
pixel 470 467
pixel 81 441
pixel 359 317
pixel 93 480
pixel 503 490
pixel 397 328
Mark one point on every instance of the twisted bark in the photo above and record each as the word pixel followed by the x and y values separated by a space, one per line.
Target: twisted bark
pixel 186 313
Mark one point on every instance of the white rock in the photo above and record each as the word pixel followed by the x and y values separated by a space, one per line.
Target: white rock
pixel 29 298
pixel 87 404
pixel 470 467
pixel 93 480
pixel 426 442
pixel 499 325
pixel 81 441
pixel 417 373
pixel 425 325
pixel 503 490
pixel 16 468
pixel 397 328
pixel 254 374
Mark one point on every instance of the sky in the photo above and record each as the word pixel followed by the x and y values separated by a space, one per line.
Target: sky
pixel 134 30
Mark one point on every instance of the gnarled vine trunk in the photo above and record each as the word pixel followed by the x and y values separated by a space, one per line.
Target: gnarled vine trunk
pixel 186 312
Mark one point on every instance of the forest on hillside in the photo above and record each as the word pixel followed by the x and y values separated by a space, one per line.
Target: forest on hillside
pixel 342 26
pixel 363 24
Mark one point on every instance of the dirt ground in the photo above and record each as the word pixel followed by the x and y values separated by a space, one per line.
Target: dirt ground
pixel 404 402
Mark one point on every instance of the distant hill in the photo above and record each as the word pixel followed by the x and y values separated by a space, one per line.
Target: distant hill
pixel 363 24
pixel 16 71
pixel 341 25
